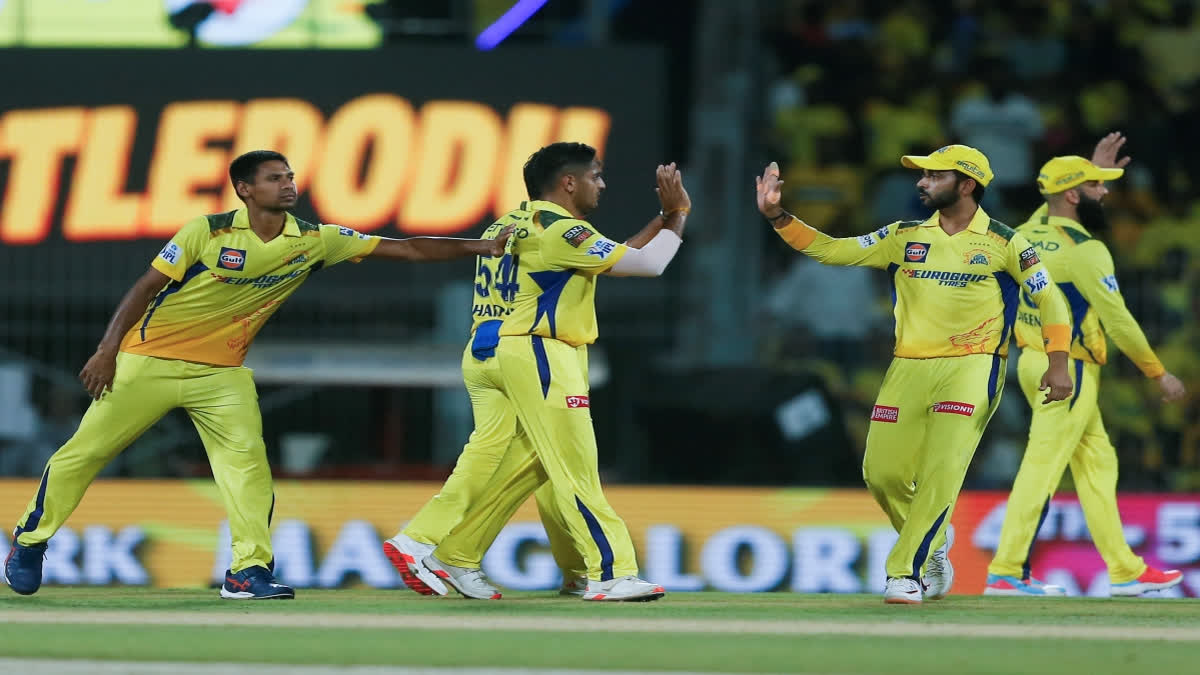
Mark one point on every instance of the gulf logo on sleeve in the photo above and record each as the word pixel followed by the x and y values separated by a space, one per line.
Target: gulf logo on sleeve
pixel 915 251
pixel 232 259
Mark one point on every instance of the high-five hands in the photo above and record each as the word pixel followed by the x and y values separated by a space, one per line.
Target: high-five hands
pixel 671 193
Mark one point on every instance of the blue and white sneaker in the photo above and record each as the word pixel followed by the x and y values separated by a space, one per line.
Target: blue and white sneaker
pixel 254 583
pixel 1014 587
pixel 23 567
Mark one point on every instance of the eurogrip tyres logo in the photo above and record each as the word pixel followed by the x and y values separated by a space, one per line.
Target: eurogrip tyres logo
pixel 375 160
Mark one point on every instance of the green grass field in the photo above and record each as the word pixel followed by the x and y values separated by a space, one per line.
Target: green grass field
pixel 698 632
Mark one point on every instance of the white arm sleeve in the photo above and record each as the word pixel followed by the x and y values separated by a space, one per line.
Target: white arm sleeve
pixel 650 260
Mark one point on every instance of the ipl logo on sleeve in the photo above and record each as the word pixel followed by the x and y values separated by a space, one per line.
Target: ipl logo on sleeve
pixel 1037 282
pixel 170 252
pixel 602 248
pixel 916 251
pixel 232 259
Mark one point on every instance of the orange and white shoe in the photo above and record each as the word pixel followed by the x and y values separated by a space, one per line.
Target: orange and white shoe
pixel 405 554
pixel 1151 580
pixel 629 588
pixel 903 591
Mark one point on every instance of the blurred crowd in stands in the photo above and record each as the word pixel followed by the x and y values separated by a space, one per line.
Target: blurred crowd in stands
pixel 858 84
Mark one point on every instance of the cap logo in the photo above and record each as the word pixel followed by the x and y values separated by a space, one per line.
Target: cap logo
pixel 1068 178
pixel 970 168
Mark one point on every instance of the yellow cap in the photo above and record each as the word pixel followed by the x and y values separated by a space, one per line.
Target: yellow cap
pixel 1064 173
pixel 961 158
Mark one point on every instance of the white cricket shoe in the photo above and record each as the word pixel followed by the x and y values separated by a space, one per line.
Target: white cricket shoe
pixel 405 554
pixel 469 582
pixel 623 588
pixel 939 573
pixel 574 586
pixel 903 591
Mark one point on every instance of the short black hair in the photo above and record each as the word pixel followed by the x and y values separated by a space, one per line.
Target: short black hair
pixel 545 166
pixel 246 166
pixel 977 193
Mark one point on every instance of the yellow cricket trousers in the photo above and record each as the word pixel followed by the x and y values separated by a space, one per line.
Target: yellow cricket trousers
pixel 222 403
pixel 927 421
pixel 546 381
pixel 495 431
pixel 1069 432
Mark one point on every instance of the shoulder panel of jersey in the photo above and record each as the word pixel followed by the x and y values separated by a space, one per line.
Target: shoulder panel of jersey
pixel 908 224
pixel 1001 230
pixel 221 221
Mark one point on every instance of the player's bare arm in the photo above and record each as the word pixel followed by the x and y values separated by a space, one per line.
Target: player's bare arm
pixel 98 373
pixel 432 249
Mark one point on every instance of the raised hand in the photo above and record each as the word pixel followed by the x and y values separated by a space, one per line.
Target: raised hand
pixel 1105 154
pixel 671 193
pixel 769 192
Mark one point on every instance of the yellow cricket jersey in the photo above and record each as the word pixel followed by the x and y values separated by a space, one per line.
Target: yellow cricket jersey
pixel 952 295
pixel 545 283
pixel 226 282
pixel 1082 268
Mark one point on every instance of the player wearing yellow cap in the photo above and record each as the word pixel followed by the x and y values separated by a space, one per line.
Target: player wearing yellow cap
pixel 1071 432
pixel 178 340
pixel 956 278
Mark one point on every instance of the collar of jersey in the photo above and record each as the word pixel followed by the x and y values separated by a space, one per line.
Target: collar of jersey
pixel 540 205
pixel 979 222
pixel 1063 222
pixel 241 221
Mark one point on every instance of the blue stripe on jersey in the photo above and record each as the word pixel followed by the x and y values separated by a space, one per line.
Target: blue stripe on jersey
pixel 1025 569
pixel 1010 294
pixel 552 285
pixel 606 552
pixel 923 549
pixel 1079 309
pixel 892 269
pixel 172 287
pixel 543 364
pixel 1078 382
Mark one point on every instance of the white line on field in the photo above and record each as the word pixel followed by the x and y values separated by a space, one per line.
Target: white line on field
pixel 884 628
pixel 69 667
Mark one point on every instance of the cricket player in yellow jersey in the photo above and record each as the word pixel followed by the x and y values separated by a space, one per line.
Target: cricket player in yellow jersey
pixel 540 350
pixel 955 284
pixel 1071 432
pixel 178 339
pixel 496 282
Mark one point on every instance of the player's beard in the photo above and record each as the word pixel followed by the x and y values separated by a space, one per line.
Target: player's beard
pixel 1091 214
pixel 942 200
